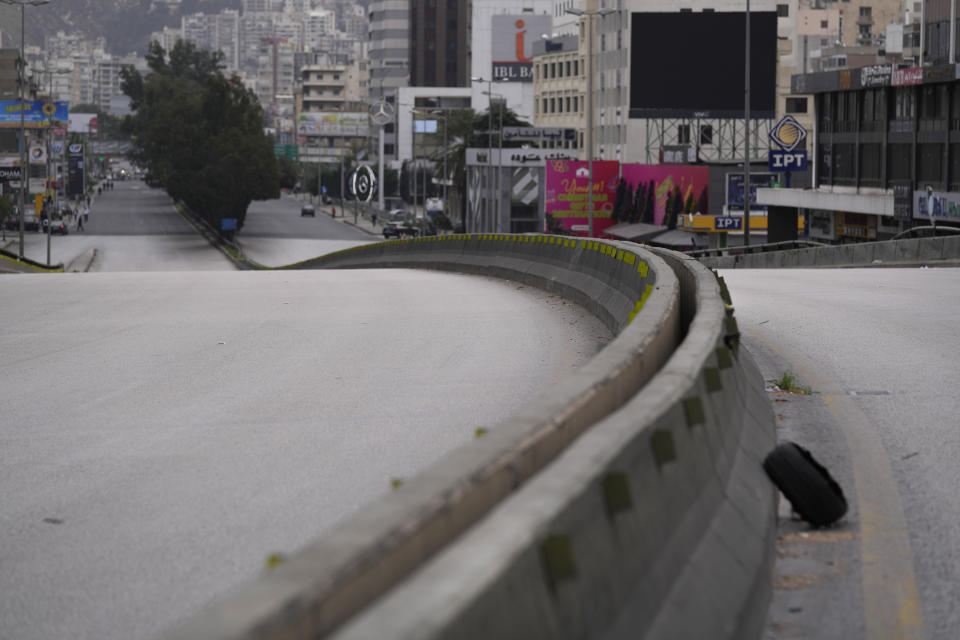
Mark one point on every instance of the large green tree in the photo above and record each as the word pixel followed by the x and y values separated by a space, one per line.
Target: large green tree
pixel 200 134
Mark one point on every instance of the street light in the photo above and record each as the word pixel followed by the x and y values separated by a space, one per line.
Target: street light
pixel 589 129
pixel 489 142
pixel 24 168
pixel 51 183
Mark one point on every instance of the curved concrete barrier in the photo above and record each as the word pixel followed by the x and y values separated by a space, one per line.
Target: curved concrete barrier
pixel 10 262
pixel 658 508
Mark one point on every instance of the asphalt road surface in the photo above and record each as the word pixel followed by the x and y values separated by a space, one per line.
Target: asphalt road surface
pixel 162 433
pixel 878 348
pixel 132 228
pixel 281 218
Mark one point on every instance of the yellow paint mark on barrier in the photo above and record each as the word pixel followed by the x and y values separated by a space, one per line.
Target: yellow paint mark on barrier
pixel 630 258
pixel 620 254
pixel 642 268
pixel 646 294
pixel 274 560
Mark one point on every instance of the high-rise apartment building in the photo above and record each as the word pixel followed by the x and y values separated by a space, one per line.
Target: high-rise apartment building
pixel 389 47
pixel 439 43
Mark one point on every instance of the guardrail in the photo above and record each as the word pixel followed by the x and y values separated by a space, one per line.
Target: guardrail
pixel 755 248
pixel 906 252
pixel 659 507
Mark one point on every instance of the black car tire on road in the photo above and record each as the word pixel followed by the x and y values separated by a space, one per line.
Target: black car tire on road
pixel 809 487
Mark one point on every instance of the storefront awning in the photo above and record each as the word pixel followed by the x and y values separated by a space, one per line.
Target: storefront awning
pixel 678 238
pixel 635 231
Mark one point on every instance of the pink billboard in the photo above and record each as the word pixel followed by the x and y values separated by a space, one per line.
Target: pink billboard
pixel 567 185
pixel 664 191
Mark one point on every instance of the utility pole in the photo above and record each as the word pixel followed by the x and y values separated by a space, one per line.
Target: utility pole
pixel 588 137
pixel 746 136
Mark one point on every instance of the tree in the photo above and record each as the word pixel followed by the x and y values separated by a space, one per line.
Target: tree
pixel 648 204
pixel 288 173
pixel 621 203
pixel 6 210
pixel 200 134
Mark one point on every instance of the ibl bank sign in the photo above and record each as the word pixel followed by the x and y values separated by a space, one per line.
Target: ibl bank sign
pixel 511 49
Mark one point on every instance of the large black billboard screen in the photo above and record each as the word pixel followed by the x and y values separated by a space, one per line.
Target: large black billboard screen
pixel 685 65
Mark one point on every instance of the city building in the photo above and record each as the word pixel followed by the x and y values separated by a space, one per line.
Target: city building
pixel 439 43
pixel 559 86
pixel 332 119
pixel 502 37
pixel 886 155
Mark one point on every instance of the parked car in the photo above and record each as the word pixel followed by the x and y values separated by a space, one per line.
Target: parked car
pixel 30 223
pixel 399 229
pixel 308 210
pixel 59 227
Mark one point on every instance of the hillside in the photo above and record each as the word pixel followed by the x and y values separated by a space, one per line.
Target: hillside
pixel 126 24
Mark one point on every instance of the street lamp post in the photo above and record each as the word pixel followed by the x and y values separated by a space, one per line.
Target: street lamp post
pixel 489 143
pixel 24 168
pixel 746 135
pixel 446 205
pixel 588 143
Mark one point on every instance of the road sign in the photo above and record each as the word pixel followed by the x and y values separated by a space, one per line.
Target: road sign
pixel 779 160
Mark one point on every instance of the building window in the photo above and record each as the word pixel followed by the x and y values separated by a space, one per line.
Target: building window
pixel 783 11
pixel 796 105
pixel 568 104
pixel 930 157
pixel 706 134
pixel 683 134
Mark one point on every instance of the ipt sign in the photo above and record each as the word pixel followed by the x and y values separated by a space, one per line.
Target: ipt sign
pixel 787 134
pixel 780 160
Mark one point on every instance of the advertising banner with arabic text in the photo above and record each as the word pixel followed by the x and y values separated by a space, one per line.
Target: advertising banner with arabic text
pixel 567 186
pixel 34 112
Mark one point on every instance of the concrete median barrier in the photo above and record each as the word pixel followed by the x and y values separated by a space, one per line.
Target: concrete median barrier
pixel 908 252
pixel 615 504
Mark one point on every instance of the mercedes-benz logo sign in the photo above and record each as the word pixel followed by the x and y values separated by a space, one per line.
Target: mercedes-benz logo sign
pixel 363 182
pixel 382 112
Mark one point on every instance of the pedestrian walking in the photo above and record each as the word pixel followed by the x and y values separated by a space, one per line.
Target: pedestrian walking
pixel 86 214
pixel 374 219
pixel 79 223
pixel 76 213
